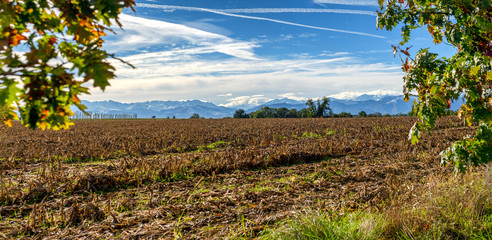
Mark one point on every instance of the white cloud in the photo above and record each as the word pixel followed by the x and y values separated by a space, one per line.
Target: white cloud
pixel 334 54
pixel 350 2
pixel 163 76
pixel 307 35
pixel 293 96
pixel 141 34
pixel 354 95
pixel 188 72
pixel 254 100
pixel 220 12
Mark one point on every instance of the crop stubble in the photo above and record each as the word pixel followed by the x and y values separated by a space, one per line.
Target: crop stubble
pixel 203 178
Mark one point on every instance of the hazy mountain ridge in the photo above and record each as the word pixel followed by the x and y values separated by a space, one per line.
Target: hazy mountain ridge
pixel 184 109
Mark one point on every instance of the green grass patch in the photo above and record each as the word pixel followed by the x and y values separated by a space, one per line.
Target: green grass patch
pixel 328 225
pixel 310 135
pixel 213 146
pixel 445 207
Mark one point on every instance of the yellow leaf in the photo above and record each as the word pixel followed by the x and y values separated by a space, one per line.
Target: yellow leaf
pixel 8 122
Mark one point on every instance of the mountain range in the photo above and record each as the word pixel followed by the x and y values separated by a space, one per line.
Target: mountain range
pixel 384 104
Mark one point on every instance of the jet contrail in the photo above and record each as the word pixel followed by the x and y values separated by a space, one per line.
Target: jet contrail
pixel 350 2
pixel 262 10
pixel 295 10
pixel 223 12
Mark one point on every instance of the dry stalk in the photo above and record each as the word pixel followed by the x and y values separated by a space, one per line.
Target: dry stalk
pixel 488 175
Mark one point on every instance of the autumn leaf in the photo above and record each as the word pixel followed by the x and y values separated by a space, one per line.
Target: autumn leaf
pixel 47 92
pixel 16 39
pixel 8 122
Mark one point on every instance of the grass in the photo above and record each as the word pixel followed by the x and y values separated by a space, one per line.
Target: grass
pixel 314 224
pixel 311 135
pixel 213 146
pixel 445 207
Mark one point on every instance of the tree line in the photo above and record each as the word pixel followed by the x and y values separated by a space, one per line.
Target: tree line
pixel 320 108
pixel 315 109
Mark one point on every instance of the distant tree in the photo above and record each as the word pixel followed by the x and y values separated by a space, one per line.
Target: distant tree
pixel 303 113
pixel 319 109
pixel 387 115
pixel 292 113
pixel 362 114
pixel 281 112
pixel 377 114
pixel 259 114
pixel 265 112
pixel 343 115
pixel 240 113
pixel 195 116
pixel 153 117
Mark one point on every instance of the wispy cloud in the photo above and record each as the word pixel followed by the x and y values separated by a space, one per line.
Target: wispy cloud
pixel 334 54
pixel 350 2
pixel 175 62
pixel 141 34
pixel 221 12
pixel 196 78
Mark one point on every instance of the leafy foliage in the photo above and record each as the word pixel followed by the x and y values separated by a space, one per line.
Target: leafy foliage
pixel 320 109
pixel 195 116
pixel 48 50
pixel 240 113
pixel 3 113
pixel 467 26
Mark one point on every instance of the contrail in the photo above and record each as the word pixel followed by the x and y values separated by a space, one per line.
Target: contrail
pixel 295 10
pixel 350 2
pixel 262 10
pixel 223 12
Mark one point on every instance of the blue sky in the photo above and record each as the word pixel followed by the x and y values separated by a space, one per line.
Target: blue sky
pixel 237 52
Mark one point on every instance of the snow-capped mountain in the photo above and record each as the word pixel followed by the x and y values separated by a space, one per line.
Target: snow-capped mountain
pixel 184 109
pixel 161 109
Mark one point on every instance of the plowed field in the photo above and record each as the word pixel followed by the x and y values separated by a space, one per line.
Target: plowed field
pixel 204 179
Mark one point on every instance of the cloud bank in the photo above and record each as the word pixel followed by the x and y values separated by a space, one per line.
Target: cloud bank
pixel 175 61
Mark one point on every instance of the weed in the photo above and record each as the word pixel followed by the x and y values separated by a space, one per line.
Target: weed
pixel 377 129
pixel 329 132
pixel 311 135
pixel 327 225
